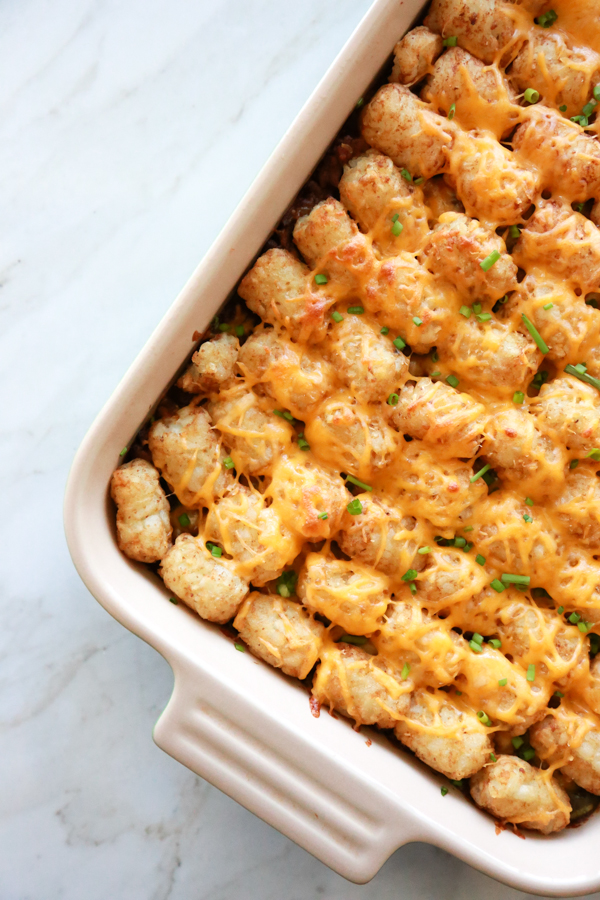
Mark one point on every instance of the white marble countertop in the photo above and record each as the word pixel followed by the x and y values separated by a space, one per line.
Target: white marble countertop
pixel 128 133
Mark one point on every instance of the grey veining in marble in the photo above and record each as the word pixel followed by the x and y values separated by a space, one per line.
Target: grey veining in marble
pixel 128 132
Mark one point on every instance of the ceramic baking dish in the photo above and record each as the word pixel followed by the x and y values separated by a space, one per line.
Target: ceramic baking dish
pixel 233 719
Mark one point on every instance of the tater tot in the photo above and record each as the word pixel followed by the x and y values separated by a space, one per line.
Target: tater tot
pixel 447 738
pixel 481 95
pixel 562 73
pixel 440 198
pixel 250 429
pixel 513 791
pixel 571 409
pixel 309 498
pixel 450 577
pixel 277 289
pixel 572 742
pixel 296 375
pixel 363 687
pixel 382 537
pixel 343 432
pixel 491 181
pixel 450 422
pixel 281 632
pixel 403 290
pixel 253 534
pixel 143 526
pixel 414 55
pixel 213 366
pixel 591 692
pixel 186 450
pixel 398 124
pixel 565 242
pixel 377 195
pixel 522 452
pixel 456 248
pixel 350 593
pixel 438 490
pixel 489 354
pixel 483 27
pixel 578 505
pixel 367 362
pixel 504 541
pixel 205 584
pixel 567 158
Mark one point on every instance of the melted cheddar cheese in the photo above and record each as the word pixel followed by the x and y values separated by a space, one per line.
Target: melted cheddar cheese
pixel 402 361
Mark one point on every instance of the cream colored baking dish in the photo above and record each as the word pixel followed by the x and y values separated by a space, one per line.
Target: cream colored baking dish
pixel 232 719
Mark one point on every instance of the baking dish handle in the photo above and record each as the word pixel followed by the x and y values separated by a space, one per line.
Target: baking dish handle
pixel 351 825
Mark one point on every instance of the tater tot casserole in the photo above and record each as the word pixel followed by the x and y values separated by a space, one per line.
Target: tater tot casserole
pixel 380 468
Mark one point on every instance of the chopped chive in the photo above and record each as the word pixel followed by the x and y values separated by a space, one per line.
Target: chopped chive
pixel 483 317
pixel 508 578
pixel 574 618
pixel 465 311
pixel 444 790
pixel 405 671
pixel 457 783
pixel 477 308
pixel 503 682
pixel 452 380
pixel 174 601
pixel 397 228
pixel 583 376
pixel 283 414
pixel 406 174
pixel 528 754
pixel 578 207
pixel 450 41
pixel 478 638
pixel 392 400
pixel 413 587
pixel 356 310
pixel 419 180
pixel 528 501
pixel 475 647
pixel 547 306
pixel 484 718
pixel 480 559
pixel 584 626
pixel 514 231
pixel 239 330
pixel 547 19
pixel 410 575
pixel 184 520
pixel 593 454
pixel 323 515
pixel 398 343
pixel 539 379
pixel 451 112
pixel 336 316
pixel 587 110
pixel 357 640
pixel 395 217
pixel 468 528
pixel 240 647
pixel 320 279
pixel 581 367
pixel 418 321
pixel 216 551
pixel 558 694
pixel 303 443
pixel 517 742
pixel 527 518
pixel 530 672
pixel 286 583
pixel 493 757
pixel 228 463
pixel 385 330
pixel 354 507
pixel 580 120
pixel 360 102
pixel 487 263
pixel 497 586
pixel 541 344
pixel 496 643
pixel 563 108
pixel 123 451
pixel 531 95
pixel 574 463
pixel 358 483
pixel 460 542
pixel 224 327
pixel 435 374
pixel 518 397
pixel 560 610
pixel 435 356
pixel 481 472
pixel 423 550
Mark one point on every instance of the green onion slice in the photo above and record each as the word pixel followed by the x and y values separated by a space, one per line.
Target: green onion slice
pixel 320 279
pixel 355 507
pixel 540 342
pixel 336 316
pixel 583 376
pixel 487 263
pixel 481 472
pixel 452 380
pixel 518 397
pixel 356 310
